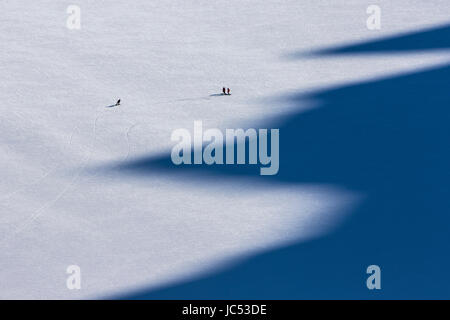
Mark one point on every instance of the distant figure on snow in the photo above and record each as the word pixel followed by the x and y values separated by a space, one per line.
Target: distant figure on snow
pixel 118 103
pixel 228 91
pixel 223 90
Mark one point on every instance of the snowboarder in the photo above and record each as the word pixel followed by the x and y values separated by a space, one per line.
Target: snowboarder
pixel 228 91
pixel 223 90
pixel 118 103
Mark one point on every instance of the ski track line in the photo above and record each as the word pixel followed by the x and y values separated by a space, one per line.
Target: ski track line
pixel 42 178
pixel 128 139
pixel 49 172
pixel 39 212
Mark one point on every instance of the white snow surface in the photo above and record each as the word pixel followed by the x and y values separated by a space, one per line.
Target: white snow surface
pixel 164 59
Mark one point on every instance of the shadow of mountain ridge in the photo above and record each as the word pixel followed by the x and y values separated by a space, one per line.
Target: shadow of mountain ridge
pixel 435 38
pixel 386 138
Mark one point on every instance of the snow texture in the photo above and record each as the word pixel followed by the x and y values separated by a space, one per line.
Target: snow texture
pixel 86 183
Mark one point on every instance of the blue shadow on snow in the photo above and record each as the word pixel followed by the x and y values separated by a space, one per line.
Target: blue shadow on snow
pixel 388 139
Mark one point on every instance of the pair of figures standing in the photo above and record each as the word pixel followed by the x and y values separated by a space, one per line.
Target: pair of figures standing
pixel 226 91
